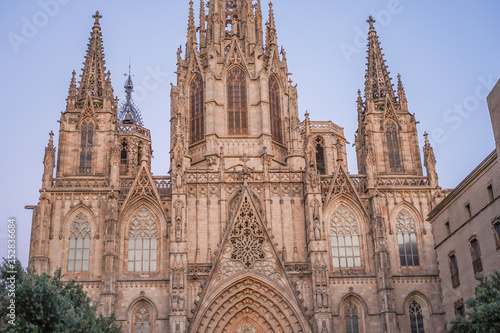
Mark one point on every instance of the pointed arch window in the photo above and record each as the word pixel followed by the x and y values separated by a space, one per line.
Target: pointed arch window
pixel 142 319
pixel 86 143
pixel 196 123
pixel 124 158
pixel 407 239
pixel 351 318
pixel 275 108
pixel 237 102
pixel 79 244
pixel 142 242
pixel 416 317
pixel 320 157
pixel 391 135
pixel 344 233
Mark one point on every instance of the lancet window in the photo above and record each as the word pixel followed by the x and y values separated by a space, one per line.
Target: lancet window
pixel 407 239
pixel 351 318
pixel 124 158
pixel 196 123
pixel 237 102
pixel 86 143
pixel 391 135
pixel 344 233
pixel 79 244
pixel 275 108
pixel 416 317
pixel 320 157
pixel 142 319
pixel 142 242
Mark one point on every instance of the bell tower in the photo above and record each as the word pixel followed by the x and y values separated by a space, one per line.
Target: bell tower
pixel 88 125
pixel 386 139
pixel 233 94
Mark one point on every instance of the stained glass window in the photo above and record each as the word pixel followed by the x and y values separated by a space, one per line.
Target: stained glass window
pixel 407 239
pixel 142 242
pixel 79 244
pixel 275 108
pixel 86 143
pixel 344 233
pixel 237 102
pixel 197 131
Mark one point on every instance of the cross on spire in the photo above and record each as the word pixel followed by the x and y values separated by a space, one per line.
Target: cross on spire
pixel 370 21
pixel 97 17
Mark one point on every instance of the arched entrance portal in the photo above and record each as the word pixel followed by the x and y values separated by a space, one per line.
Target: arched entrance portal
pixel 249 305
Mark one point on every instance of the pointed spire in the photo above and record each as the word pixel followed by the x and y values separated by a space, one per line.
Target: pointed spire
pixel 202 24
pixel 191 32
pixel 93 71
pixel 49 162
pixel 258 16
pixel 402 95
pixel 271 36
pixel 378 87
pixel 430 162
pixel 108 89
pixel 359 102
pixel 129 112
pixel 70 101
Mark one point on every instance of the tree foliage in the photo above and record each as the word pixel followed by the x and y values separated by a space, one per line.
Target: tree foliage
pixel 45 303
pixel 483 313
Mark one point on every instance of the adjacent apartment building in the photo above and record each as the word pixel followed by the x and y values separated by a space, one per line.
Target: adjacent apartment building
pixel 467 225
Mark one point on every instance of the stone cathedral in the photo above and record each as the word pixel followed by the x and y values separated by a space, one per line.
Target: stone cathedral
pixel 259 226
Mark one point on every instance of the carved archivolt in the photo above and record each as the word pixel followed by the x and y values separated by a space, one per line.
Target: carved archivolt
pixel 249 301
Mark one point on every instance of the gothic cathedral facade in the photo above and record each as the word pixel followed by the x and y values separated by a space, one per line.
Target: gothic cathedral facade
pixel 259 226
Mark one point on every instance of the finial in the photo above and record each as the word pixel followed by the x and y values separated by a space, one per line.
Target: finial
pixel 51 138
pixel 402 94
pixel 72 85
pixel 258 11
pixel 272 23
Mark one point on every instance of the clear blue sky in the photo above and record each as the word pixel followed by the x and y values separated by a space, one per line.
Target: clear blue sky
pixel 446 51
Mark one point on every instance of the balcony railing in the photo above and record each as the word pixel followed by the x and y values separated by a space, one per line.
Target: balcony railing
pixel 125 129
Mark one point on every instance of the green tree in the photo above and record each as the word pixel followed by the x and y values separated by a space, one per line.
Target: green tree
pixel 45 303
pixel 483 315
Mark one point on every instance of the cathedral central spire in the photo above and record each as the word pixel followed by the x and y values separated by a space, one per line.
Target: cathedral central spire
pixel 378 86
pixel 93 75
